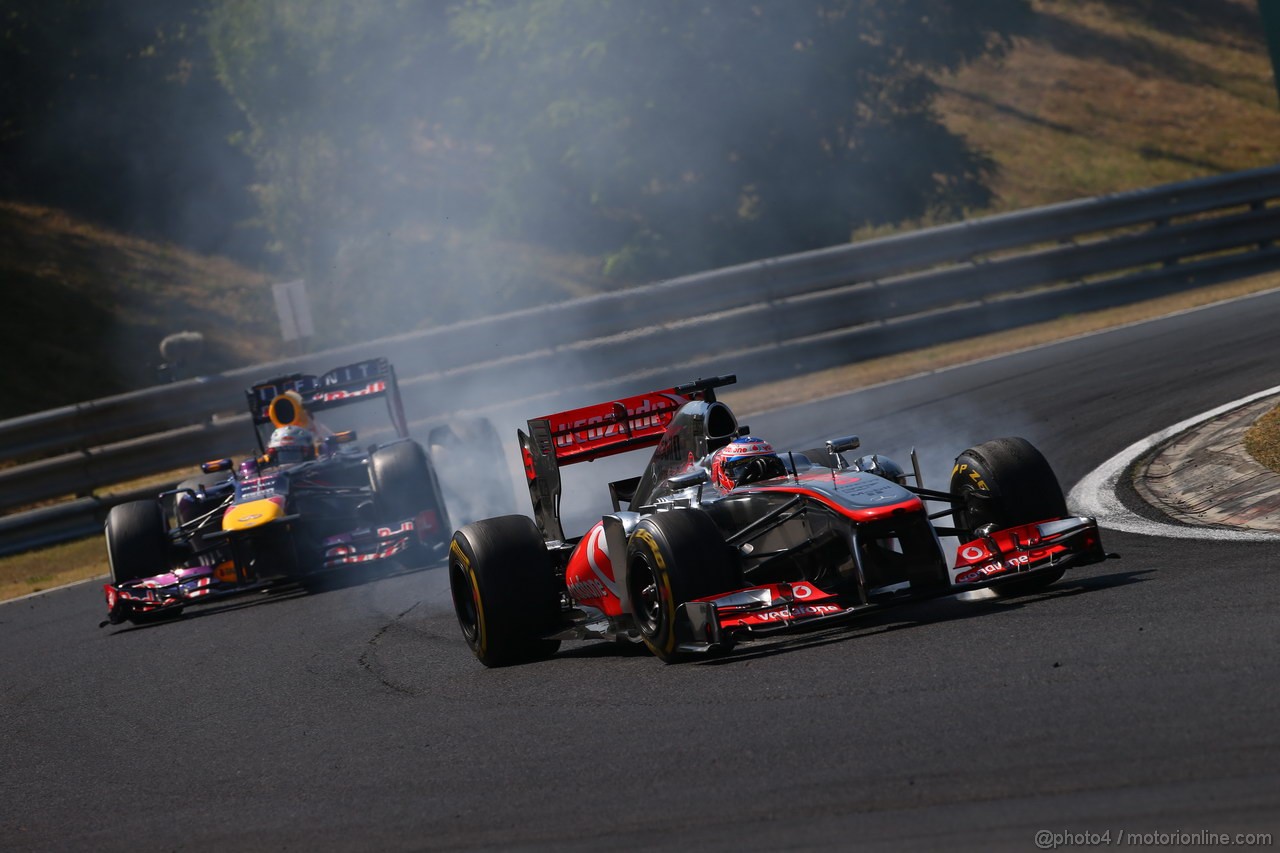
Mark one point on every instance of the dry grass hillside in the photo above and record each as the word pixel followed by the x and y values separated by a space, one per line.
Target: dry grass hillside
pixel 86 309
pixel 1111 95
pixel 1105 95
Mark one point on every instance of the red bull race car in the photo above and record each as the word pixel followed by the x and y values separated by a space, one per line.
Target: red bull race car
pixel 311 502
pixel 725 539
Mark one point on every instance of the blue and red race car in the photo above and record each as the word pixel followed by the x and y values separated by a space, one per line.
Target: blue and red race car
pixel 724 539
pixel 311 502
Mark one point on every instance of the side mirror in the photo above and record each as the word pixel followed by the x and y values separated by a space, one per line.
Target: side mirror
pixel 696 477
pixel 347 436
pixel 837 446
pixel 215 465
pixel 840 445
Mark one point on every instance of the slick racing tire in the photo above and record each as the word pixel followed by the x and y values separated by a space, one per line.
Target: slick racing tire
pixel 674 557
pixel 474 466
pixel 404 484
pixel 505 591
pixel 1006 482
pixel 137 545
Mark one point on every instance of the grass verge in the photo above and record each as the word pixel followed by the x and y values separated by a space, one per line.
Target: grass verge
pixel 1262 440
pixel 49 568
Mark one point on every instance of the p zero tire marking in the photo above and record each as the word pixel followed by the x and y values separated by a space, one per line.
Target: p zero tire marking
pixel 482 636
pixel 646 537
pixel 474 583
pixel 457 552
pixel 668 644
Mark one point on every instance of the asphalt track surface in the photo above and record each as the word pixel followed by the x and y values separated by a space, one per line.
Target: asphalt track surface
pixel 1135 696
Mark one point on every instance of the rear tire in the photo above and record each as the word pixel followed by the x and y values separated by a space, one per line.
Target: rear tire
pixel 137 545
pixel 404 486
pixel 1006 482
pixel 505 591
pixel 674 557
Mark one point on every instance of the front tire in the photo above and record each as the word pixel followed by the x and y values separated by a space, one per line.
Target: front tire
pixel 137 545
pixel 674 557
pixel 1006 482
pixel 505 592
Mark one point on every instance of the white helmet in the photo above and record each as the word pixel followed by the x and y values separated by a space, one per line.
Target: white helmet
pixel 291 444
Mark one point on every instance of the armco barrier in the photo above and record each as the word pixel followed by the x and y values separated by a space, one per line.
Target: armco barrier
pixel 763 320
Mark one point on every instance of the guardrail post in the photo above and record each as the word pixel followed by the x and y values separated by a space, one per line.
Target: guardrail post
pixel 1163 222
pixel 86 487
pixel 1260 205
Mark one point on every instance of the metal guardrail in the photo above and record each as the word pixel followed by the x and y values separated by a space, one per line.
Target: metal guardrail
pixel 763 320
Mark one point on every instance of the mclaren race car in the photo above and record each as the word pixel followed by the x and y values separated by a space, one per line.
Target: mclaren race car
pixel 311 502
pixel 725 539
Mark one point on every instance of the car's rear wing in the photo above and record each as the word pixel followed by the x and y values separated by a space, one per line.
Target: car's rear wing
pixel 594 432
pixel 350 383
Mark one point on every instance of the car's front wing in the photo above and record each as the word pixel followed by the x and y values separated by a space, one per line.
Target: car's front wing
pixel 196 584
pixel 1014 554
pixel 171 591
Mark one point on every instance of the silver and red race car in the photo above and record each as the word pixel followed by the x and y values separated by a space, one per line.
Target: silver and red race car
pixel 723 539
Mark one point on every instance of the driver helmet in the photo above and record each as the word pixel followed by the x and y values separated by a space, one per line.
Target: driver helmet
pixel 746 459
pixel 291 444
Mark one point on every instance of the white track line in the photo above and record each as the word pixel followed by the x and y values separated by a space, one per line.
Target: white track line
pixel 1096 494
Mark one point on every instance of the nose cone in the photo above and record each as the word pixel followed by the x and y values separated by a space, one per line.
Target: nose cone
pixel 247 516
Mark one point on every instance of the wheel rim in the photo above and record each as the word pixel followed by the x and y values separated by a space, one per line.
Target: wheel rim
pixel 963 517
pixel 464 603
pixel 646 598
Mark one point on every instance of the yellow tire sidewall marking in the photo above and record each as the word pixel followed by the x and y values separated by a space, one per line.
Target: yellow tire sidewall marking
pixel 481 634
pixel 664 581
pixel 974 476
